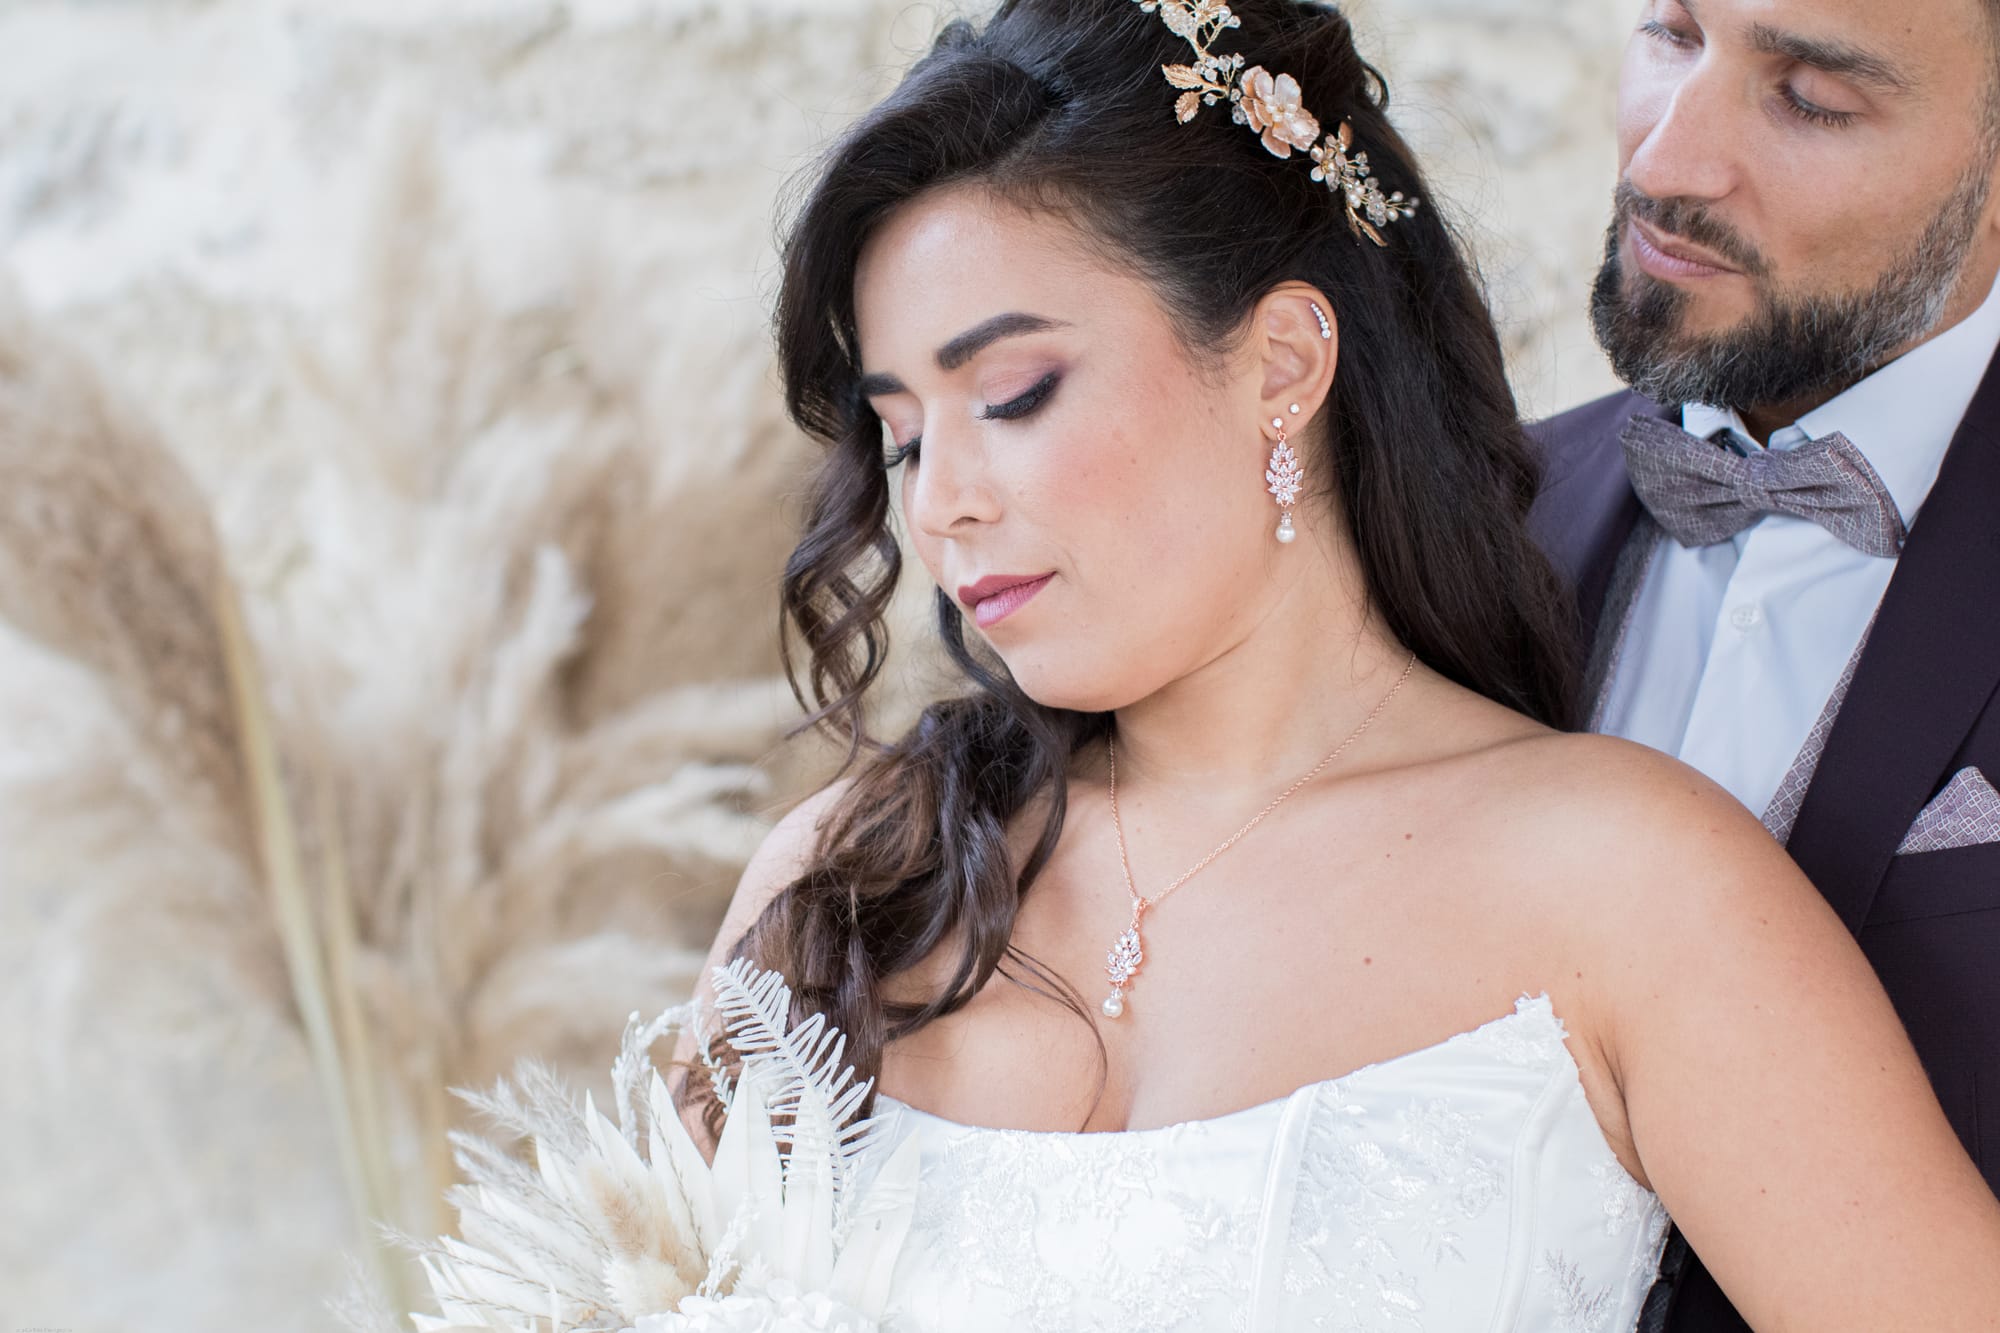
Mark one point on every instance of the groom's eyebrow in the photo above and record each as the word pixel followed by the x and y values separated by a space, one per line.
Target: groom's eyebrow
pixel 1833 56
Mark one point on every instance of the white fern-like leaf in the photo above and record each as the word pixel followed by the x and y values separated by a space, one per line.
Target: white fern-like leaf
pixel 800 1075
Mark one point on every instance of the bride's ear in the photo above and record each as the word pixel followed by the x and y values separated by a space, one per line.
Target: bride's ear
pixel 1297 343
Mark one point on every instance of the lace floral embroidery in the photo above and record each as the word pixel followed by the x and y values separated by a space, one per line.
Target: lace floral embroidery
pixel 1377 1215
pixel 1067 1231
pixel 1630 1206
pixel 1577 1306
pixel 1627 1203
pixel 1533 1039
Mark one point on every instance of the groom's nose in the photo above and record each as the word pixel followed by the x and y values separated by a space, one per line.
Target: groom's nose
pixel 1678 136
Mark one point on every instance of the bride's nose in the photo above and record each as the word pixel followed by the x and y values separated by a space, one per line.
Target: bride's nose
pixel 950 486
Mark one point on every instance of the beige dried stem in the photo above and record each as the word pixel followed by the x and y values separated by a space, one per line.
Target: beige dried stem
pixel 109 557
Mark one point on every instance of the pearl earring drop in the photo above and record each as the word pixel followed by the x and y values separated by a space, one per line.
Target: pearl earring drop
pixel 1283 478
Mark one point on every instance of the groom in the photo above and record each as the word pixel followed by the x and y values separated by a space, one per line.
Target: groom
pixel 1785 540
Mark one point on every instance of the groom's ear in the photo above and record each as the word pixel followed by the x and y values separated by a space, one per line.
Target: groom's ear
pixel 1297 341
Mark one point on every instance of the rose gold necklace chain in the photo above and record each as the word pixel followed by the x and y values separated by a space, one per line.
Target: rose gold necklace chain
pixel 1128 954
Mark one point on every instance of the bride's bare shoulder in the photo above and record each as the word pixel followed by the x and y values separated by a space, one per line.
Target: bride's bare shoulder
pixel 781 858
pixel 784 855
pixel 1604 786
pixel 1599 811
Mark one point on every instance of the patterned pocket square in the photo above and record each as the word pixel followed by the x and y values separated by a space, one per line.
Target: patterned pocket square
pixel 1965 814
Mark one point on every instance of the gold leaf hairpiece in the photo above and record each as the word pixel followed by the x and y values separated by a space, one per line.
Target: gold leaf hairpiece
pixel 1272 106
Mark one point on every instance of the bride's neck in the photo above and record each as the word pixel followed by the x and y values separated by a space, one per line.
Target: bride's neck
pixel 1272 702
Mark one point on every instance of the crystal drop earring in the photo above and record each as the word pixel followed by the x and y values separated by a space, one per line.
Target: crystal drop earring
pixel 1283 478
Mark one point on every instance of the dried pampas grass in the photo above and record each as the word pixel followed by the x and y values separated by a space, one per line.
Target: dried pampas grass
pixel 391 754
pixel 110 557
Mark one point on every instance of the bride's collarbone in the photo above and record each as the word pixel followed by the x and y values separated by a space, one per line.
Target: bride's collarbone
pixel 1411 935
pixel 1212 1044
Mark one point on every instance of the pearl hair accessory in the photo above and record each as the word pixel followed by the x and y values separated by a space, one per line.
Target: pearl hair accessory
pixel 1283 478
pixel 1271 105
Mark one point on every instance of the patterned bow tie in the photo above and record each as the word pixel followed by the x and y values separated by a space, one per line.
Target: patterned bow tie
pixel 1702 493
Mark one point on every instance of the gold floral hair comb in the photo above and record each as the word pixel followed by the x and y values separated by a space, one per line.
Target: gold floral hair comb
pixel 1272 106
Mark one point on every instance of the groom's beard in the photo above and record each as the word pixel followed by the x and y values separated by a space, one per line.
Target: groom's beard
pixel 1794 347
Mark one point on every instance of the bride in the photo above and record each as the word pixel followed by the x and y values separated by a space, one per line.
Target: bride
pixel 1244 943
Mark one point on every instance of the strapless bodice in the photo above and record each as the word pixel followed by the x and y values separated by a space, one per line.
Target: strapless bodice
pixel 1464 1187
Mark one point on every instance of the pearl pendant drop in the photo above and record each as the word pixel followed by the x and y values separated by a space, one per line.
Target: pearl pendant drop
pixel 1123 962
pixel 1286 532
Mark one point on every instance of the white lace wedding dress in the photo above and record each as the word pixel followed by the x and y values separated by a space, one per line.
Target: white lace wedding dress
pixel 1465 1186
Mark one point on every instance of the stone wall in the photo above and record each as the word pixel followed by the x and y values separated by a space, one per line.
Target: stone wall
pixel 1512 104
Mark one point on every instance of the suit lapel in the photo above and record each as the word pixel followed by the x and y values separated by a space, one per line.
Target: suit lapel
pixel 1932 662
pixel 1614 620
pixel 1783 811
pixel 1598 586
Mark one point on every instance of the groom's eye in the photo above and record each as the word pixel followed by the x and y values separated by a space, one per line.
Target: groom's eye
pixel 1661 32
pixel 1812 113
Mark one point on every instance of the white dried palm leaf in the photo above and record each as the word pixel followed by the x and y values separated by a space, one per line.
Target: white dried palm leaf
pixel 623 1226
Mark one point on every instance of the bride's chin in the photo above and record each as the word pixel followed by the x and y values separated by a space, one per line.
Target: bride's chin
pixel 1068 688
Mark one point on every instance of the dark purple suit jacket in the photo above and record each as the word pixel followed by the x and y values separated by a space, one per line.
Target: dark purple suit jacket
pixel 1925 703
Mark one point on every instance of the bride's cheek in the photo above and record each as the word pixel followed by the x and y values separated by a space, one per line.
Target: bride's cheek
pixel 913 536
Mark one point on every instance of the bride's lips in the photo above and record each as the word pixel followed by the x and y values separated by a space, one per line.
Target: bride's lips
pixel 1671 258
pixel 997 596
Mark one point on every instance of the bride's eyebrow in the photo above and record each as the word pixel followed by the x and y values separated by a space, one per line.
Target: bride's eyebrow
pixel 965 346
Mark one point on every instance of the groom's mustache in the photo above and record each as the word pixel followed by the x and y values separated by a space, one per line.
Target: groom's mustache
pixel 1690 221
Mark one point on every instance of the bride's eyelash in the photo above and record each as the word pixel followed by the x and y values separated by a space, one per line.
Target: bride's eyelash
pixel 1016 408
pixel 1011 410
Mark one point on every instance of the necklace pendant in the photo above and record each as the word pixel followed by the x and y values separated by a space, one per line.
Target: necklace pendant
pixel 1121 964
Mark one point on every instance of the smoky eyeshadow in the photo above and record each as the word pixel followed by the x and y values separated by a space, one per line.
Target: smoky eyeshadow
pixel 1023 404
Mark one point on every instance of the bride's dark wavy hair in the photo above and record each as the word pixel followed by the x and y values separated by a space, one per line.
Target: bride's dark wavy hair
pixel 1060 106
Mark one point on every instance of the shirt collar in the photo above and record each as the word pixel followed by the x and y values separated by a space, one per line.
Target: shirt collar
pixel 1902 417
